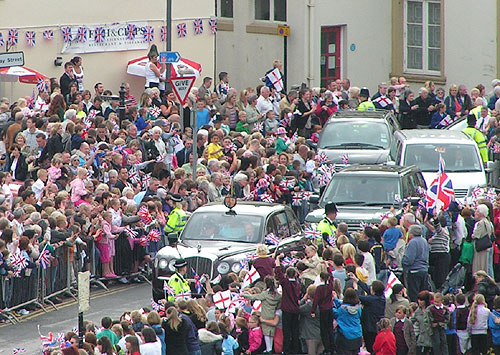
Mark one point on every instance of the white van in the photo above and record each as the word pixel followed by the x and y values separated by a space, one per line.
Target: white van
pixel 421 147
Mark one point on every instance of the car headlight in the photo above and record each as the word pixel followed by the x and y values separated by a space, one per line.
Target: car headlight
pixel 236 268
pixel 162 264
pixel 223 268
pixel 171 265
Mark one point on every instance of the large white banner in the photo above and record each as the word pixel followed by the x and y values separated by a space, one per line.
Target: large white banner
pixel 115 39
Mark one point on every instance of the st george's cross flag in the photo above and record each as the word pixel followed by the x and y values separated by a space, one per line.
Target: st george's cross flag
pixel 274 78
pixel 391 281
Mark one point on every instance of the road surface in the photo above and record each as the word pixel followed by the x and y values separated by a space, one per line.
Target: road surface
pixel 103 303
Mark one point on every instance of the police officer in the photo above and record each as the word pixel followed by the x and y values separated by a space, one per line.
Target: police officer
pixel 177 282
pixel 326 226
pixel 177 217
pixel 365 103
pixel 477 136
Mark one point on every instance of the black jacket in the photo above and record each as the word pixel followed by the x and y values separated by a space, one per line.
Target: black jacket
pixel 64 82
pixel 407 117
pixel 373 311
pixel 54 145
pixel 423 115
pixel 21 171
pixel 183 156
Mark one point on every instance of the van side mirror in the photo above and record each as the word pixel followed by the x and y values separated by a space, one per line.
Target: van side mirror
pixel 489 166
pixel 172 238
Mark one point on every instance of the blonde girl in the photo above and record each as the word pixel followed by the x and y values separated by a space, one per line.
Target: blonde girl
pixel 478 324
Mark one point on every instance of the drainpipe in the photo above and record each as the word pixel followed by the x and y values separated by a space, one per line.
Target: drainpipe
pixel 310 42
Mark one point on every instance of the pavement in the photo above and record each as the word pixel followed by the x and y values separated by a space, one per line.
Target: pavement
pixel 112 303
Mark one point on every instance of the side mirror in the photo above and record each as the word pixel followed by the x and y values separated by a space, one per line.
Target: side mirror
pixel 414 200
pixel 172 238
pixel 314 199
pixel 489 166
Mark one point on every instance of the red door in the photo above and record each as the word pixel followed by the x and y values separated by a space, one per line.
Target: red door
pixel 330 54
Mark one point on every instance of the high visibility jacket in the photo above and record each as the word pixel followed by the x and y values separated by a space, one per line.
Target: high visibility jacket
pixel 179 284
pixel 366 106
pixel 176 221
pixel 325 226
pixel 480 140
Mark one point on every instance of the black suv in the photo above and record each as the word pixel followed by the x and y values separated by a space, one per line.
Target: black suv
pixel 364 193
pixel 364 137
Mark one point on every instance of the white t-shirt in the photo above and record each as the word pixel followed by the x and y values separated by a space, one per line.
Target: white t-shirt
pixel 37 188
pixel 264 105
pixel 151 348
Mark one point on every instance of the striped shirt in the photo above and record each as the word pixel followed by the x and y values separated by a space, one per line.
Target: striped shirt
pixel 440 241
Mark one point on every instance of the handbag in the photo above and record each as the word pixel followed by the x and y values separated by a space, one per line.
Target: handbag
pixel 483 243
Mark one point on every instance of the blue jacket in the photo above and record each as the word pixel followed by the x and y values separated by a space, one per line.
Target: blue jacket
pixel 436 119
pixel 373 311
pixel 348 319
pixel 192 336
pixel 494 327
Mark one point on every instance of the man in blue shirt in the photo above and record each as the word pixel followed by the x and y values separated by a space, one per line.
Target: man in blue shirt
pixel 416 263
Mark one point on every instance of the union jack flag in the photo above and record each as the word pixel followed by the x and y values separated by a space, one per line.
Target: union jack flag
pixel 258 127
pixel 49 340
pixel 271 238
pixel 297 199
pixel 67 35
pixel 156 306
pixel 99 34
pixel 244 264
pixel 146 179
pixel 48 34
pixel 477 192
pixel 2 42
pixel 144 215
pixel 197 281
pixel 288 261
pixel 294 138
pixel 131 233
pixel 252 256
pixel 45 258
pixel 60 337
pixel 332 240
pixel 198 26
pixel 284 122
pixel 491 195
pixel 13 37
pixel 323 179
pixel 167 288
pixel 92 114
pixel 82 34
pixel 213 26
pixel 16 351
pixel 270 140
pixel 30 38
pixel 322 158
pixel 345 159
pixel 181 30
pixel 440 192
pixel 155 111
pixel 144 241
pixel 163 33
pixel 131 31
pixel 287 183
pixel 154 235
pixel 312 234
pixel 233 147
pixel 266 198
pixel 41 85
pixel 307 195
pixel 262 184
pixel 19 260
pixel 149 33
pixel 133 176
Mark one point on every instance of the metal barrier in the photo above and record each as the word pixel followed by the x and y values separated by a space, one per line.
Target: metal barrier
pixel 39 286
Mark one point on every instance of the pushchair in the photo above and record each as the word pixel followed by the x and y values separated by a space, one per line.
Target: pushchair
pixel 455 280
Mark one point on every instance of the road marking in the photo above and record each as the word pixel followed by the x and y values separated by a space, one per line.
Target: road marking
pixel 71 302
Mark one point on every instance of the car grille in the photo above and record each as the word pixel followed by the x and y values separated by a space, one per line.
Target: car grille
pixel 200 265
pixel 460 193
pixel 353 226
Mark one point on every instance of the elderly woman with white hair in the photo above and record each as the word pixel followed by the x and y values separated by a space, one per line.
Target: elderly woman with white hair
pixel 241 187
pixel 482 259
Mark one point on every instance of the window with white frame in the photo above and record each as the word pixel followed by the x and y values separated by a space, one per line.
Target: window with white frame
pixel 423 36
pixel 269 10
pixel 226 8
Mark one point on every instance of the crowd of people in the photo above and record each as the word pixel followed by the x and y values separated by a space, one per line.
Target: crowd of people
pixel 78 177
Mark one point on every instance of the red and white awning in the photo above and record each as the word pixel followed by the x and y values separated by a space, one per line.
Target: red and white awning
pixel 24 75
pixel 184 67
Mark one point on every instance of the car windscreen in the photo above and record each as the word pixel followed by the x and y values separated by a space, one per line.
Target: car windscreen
pixel 339 134
pixel 457 157
pixel 362 190
pixel 224 227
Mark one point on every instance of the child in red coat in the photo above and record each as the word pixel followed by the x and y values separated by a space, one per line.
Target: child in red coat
pixel 385 342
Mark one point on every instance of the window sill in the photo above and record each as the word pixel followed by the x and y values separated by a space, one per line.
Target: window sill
pixel 225 24
pixel 266 28
pixel 422 78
